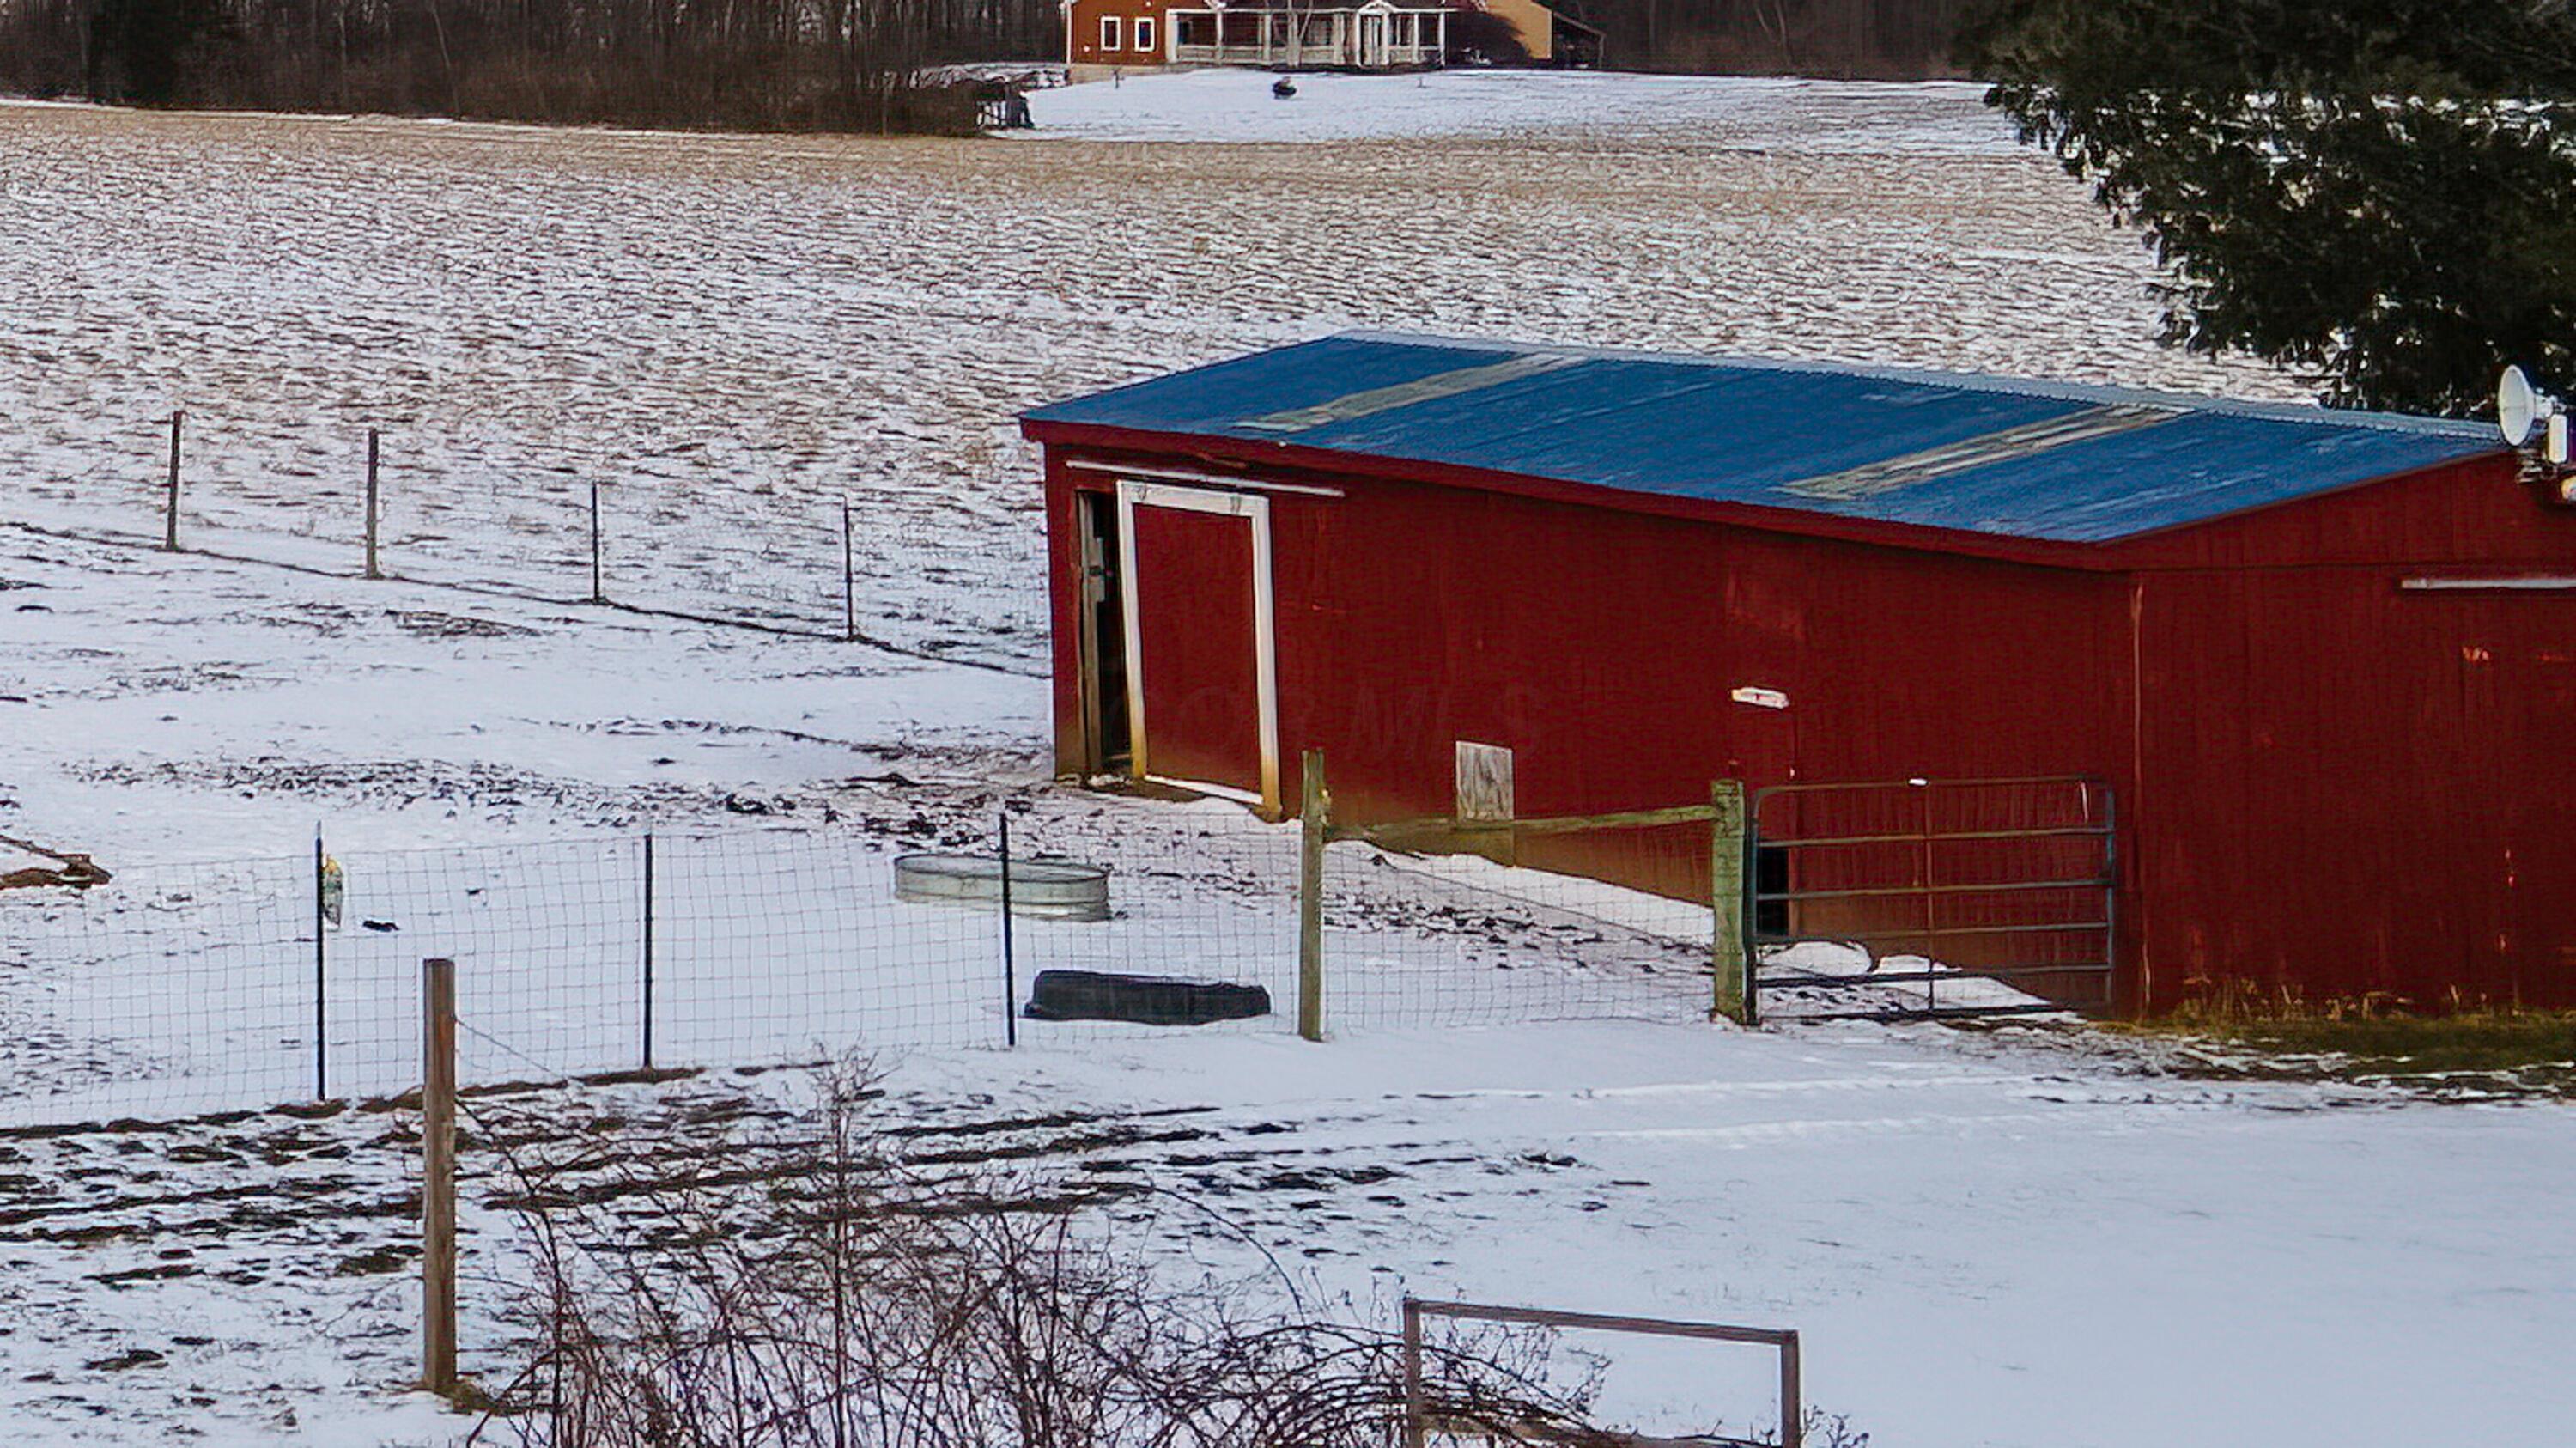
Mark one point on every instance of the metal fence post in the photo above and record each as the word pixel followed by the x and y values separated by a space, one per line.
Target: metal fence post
pixel 1314 815
pixel 170 522
pixel 372 570
pixel 438 1177
pixel 1729 949
pixel 1793 1415
pixel 1010 968
pixel 849 580
pixel 648 950
pixel 321 958
pixel 598 578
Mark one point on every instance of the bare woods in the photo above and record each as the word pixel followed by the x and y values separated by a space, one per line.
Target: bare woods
pixel 804 65
pixel 836 65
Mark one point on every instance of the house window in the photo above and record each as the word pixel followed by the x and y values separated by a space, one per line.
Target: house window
pixel 1404 30
pixel 1145 33
pixel 1109 25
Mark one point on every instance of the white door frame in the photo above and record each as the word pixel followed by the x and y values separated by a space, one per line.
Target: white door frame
pixel 1254 509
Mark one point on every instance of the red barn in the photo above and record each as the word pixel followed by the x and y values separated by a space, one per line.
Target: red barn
pixel 2323 661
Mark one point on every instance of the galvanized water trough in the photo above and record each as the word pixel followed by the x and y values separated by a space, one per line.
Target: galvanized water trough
pixel 1046 889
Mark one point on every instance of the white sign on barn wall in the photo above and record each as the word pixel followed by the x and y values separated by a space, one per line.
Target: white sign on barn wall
pixel 1484 781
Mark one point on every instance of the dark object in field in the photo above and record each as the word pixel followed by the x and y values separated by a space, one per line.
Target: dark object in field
pixel 76 871
pixel 1283 88
pixel 1088 995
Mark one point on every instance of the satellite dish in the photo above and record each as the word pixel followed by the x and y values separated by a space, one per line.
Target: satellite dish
pixel 2518 407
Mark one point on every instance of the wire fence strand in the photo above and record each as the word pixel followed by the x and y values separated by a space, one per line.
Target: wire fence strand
pixel 238 986
pixel 680 528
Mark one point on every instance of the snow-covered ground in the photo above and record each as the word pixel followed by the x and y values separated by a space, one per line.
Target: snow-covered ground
pixel 482 770
pixel 1739 113
pixel 2034 1238
pixel 1993 1245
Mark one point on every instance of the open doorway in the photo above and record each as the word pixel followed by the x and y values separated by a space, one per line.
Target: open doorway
pixel 1104 639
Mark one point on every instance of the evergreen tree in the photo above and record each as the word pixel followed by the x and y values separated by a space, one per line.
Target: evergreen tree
pixel 2379 192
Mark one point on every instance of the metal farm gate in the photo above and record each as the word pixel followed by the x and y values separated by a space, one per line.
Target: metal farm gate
pixel 1918 899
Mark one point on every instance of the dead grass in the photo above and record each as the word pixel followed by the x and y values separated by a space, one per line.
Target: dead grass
pixel 2466 1048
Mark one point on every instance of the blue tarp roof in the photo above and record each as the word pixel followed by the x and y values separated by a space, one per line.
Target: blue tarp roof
pixel 1985 455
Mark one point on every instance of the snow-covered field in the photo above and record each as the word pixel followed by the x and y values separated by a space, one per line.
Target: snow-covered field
pixel 2033 1237
pixel 736 335
pixel 1693 112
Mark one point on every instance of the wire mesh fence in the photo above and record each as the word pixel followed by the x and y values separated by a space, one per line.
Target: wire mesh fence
pixel 1491 927
pixel 1213 905
pixel 237 986
pixel 166 991
pixel 676 527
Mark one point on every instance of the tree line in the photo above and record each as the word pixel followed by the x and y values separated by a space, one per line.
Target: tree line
pixel 841 65
pixel 1877 39
pixel 758 64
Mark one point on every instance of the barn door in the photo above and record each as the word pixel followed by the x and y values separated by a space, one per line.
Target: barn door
pixel 2517 694
pixel 1202 683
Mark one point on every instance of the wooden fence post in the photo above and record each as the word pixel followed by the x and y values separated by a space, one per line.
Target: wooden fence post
pixel 1728 959
pixel 372 570
pixel 1314 818
pixel 170 522
pixel 438 1177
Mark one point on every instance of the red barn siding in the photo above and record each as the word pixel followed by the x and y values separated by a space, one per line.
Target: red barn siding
pixel 1602 648
pixel 2352 788
pixel 2325 781
pixel 2474 513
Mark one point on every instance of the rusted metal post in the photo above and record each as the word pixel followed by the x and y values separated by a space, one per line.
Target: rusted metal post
pixel 1413 1416
pixel 1730 958
pixel 1793 1413
pixel 170 518
pixel 372 570
pixel 1314 816
pixel 438 1177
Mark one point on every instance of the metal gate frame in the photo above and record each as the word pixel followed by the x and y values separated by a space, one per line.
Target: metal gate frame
pixel 1928 837
pixel 1420 1423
